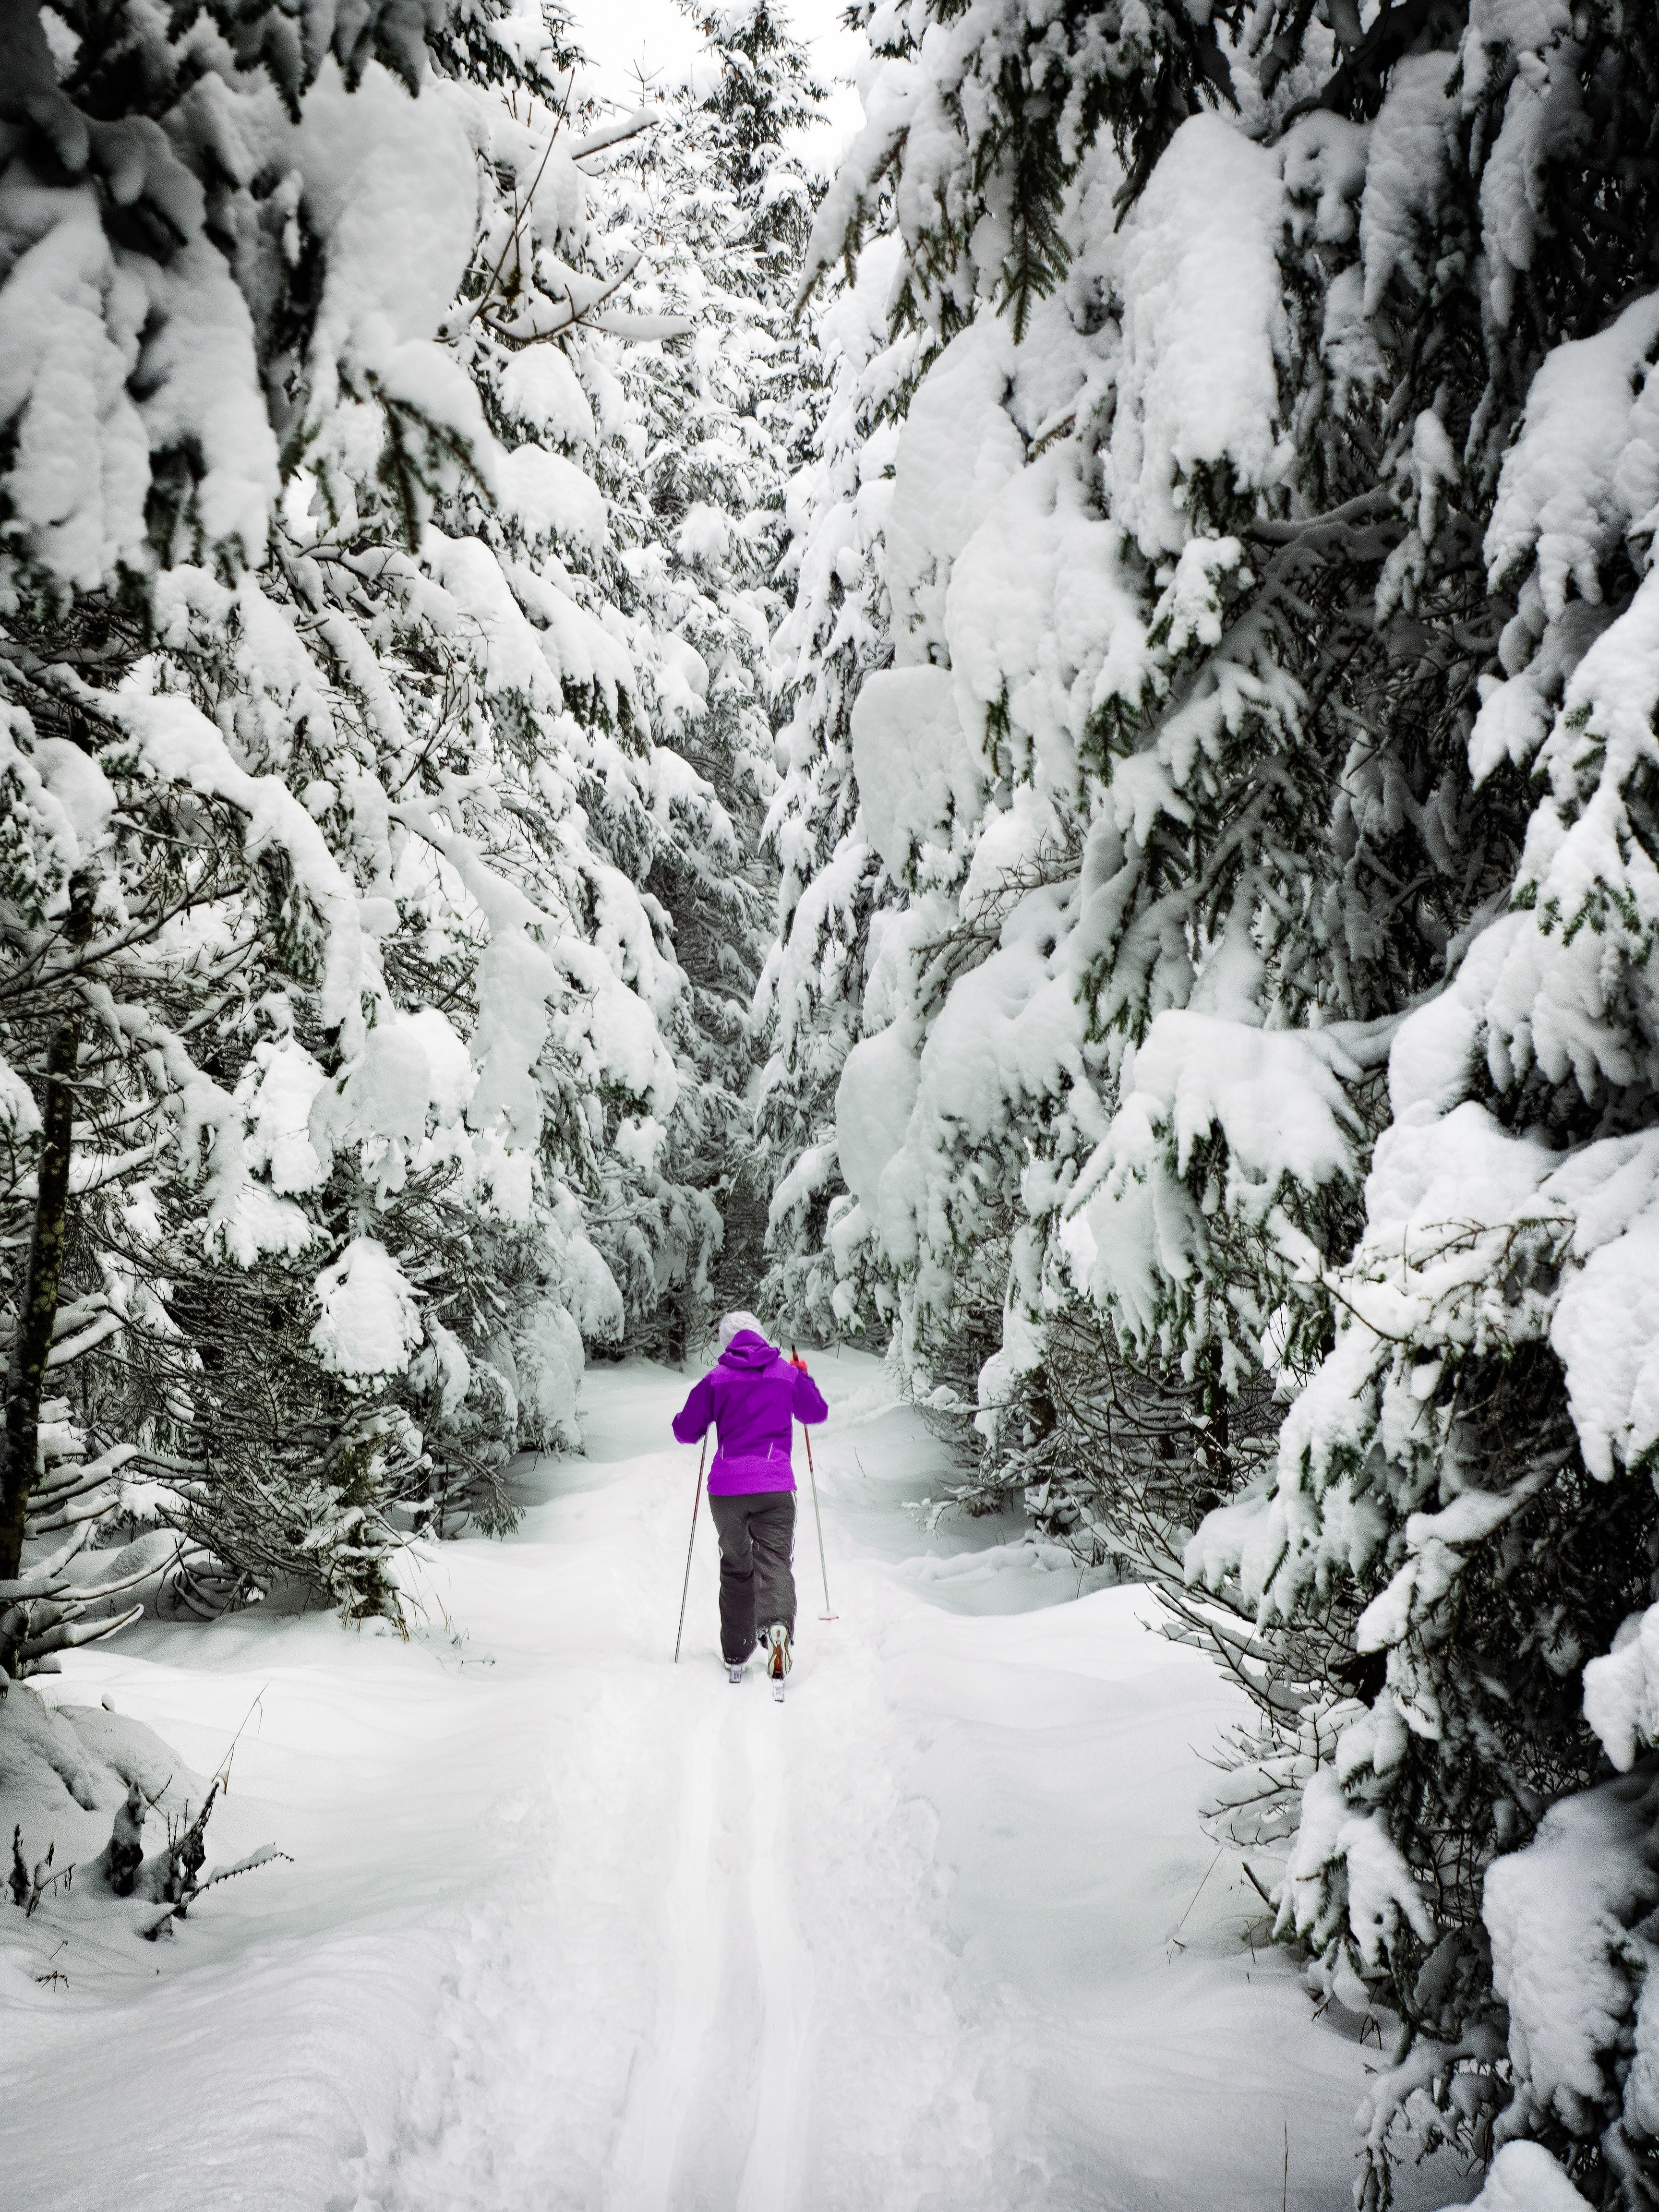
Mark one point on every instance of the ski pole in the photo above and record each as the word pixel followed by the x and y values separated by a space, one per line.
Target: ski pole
pixel 826 1615
pixel 806 1438
pixel 695 1502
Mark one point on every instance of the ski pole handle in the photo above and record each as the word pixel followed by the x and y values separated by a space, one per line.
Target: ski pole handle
pixel 697 1501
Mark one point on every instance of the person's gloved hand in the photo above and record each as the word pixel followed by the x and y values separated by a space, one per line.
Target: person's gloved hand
pixel 795 1361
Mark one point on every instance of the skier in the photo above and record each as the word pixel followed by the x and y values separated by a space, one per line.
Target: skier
pixel 754 1397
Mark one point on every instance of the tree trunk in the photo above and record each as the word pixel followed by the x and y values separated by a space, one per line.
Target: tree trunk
pixel 20 1441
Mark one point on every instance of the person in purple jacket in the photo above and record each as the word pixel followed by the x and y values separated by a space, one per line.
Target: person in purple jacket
pixel 754 1397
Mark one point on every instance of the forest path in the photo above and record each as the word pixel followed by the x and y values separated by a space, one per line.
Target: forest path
pixel 571 1929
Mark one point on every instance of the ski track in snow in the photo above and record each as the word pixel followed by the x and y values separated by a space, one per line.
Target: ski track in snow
pixel 661 2093
pixel 572 1929
pixel 785 1987
pixel 729 1939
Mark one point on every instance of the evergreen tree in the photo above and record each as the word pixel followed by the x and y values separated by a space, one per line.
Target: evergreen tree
pixel 1254 975
pixel 811 993
pixel 178 266
pixel 725 205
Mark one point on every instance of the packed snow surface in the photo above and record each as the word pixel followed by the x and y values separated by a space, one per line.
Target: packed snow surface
pixel 568 1926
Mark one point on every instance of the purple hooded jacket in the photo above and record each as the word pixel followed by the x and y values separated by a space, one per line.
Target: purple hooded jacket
pixel 754 1397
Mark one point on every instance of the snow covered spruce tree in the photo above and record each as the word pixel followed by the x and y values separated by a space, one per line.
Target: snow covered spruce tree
pixel 332 780
pixel 809 1004
pixel 721 205
pixel 1473 1462
pixel 1236 869
pixel 154 252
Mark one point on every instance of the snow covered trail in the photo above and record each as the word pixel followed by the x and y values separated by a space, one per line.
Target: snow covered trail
pixel 570 1927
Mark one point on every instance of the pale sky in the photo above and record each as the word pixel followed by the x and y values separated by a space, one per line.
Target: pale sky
pixel 625 35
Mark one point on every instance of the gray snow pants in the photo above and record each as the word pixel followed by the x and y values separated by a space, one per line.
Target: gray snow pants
pixel 758 1535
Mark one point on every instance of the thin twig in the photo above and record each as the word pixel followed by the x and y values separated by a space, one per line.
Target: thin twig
pixel 1198 1893
pixel 482 298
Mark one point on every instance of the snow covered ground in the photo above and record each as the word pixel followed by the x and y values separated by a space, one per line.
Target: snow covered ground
pixel 568 1926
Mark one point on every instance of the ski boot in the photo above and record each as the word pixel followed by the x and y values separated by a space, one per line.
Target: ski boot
pixel 778 1661
pixel 736 1673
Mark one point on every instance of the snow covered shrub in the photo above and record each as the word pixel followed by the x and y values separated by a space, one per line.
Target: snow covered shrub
pixel 64 1771
pixel 1236 911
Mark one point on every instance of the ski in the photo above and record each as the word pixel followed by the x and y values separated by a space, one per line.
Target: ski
pixel 735 1674
pixel 777 1692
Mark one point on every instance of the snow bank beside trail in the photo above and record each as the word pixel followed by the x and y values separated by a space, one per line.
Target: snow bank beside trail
pixel 250 2050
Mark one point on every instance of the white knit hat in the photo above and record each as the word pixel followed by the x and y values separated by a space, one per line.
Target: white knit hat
pixel 734 1323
